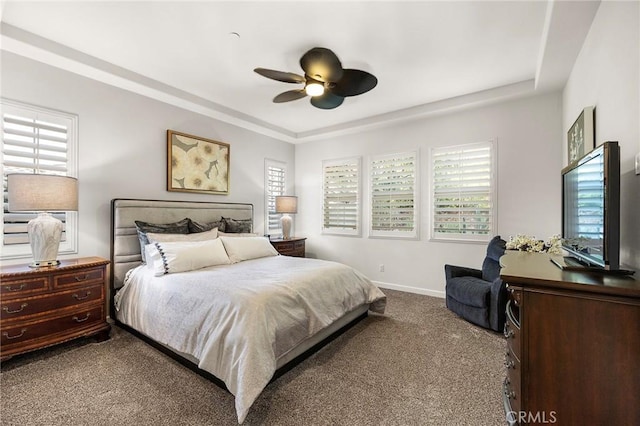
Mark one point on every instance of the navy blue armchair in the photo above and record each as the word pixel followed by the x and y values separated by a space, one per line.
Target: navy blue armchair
pixel 479 296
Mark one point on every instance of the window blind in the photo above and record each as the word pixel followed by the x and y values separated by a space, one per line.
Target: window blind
pixel 590 213
pixel 393 195
pixel 275 183
pixel 463 192
pixel 341 196
pixel 35 140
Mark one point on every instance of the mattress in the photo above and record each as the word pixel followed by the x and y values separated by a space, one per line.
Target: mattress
pixel 237 321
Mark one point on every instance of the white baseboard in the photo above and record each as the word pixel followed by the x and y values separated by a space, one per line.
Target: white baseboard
pixel 408 289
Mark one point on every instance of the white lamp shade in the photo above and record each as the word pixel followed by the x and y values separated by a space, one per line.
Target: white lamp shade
pixel 42 193
pixel 33 192
pixel 286 204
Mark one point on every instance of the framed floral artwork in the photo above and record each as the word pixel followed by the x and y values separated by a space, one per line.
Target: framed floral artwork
pixel 580 137
pixel 196 164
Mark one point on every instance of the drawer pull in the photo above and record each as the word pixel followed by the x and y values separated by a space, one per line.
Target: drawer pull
pixel 508 362
pixel 508 333
pixel 6 309
pixel 5 334
pixel 76 319
pixel 9 288
pixel 75 296
pixel 78 279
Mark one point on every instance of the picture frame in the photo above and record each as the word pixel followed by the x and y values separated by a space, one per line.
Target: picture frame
pixel 580 137
pixel 196 164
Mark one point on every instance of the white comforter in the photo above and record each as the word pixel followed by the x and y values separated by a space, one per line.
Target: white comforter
pixel 237 320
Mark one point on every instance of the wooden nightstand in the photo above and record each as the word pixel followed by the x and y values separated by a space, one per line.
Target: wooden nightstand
pixel 291 247
pixel 50 305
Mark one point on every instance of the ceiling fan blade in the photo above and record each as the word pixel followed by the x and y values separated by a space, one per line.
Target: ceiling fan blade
pixel 327 101
pixel 287 77
pixel 290 95
pixel 354 82
pixel 321 64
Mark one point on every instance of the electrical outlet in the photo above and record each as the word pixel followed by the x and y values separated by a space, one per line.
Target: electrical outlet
pixel 381 267
pixel 638 163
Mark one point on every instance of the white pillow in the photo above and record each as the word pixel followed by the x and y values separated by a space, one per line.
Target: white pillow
pixel 198 236
pixel 240 249
pixel 237 234
pixel 182 256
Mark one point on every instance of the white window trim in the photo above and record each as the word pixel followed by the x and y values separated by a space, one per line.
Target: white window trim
pixel 493 193
pixel 344 232
pixel 70 245
pixel 273 232
pixel 395 234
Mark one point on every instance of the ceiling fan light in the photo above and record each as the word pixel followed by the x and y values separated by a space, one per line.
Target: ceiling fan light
pixel 314 89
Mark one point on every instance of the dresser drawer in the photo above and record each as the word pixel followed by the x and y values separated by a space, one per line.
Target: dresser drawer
pixel 512 332
pixel 22 287
pixel 21 308
pixel 50 328
pixel 512 404
pixel 80 277
pixel 513 381
pixel 290 248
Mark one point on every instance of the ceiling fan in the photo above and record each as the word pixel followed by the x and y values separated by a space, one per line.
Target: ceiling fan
pixel 324 80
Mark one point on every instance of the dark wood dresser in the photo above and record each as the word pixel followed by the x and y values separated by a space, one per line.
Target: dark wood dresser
pixel 45 306
pixel 291 247
pixel 573 344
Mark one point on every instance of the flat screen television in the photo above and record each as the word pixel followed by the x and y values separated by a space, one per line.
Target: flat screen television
pixel 591 210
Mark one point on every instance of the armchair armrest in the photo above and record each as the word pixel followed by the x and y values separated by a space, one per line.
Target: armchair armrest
pixel 452 271
pixel 498 301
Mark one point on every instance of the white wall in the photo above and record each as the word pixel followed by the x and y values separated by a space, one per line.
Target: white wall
pixel 122 154
pixel 606 75
pixel 528 133
pixel 123 145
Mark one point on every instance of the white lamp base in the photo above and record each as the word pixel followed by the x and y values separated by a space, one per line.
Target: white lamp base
pixel 44 236
pixel 286 226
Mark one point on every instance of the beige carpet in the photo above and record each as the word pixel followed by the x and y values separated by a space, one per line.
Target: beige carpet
pixel 419 364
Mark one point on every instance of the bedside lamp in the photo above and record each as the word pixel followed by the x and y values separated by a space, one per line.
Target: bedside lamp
pixel 42 193
pixel 286 204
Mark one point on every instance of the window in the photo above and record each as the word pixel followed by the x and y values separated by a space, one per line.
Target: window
pixel 394 207
pixel 36 140
pixel 463 191
pixel 275 184
pixel 341 196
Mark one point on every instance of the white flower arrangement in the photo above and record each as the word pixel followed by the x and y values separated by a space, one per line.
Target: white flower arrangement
pixel 534 245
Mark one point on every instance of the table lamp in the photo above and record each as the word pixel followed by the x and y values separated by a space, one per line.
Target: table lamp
pixel 286 204
pixel 28 192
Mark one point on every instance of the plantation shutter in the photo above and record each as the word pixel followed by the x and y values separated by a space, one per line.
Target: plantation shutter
pixel 36 141
pixel 393 195
pixel 341 196
pixel 276 186
pixel 463 192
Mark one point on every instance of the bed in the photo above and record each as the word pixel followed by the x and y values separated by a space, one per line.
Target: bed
pixel 242 322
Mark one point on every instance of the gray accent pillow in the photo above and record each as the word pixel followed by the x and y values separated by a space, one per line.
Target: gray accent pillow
pixel 195 227
pixel 180 227
pixel 236 225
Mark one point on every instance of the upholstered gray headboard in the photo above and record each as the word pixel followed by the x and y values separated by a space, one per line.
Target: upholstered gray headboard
pixel 125 247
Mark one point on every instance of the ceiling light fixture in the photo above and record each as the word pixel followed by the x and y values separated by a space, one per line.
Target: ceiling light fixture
pixel 314 89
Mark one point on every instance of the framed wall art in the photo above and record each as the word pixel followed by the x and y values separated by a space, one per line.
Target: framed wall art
pixel 580 137
pixel 196 164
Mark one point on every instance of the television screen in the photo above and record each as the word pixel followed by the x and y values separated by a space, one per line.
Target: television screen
pixel 591 207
